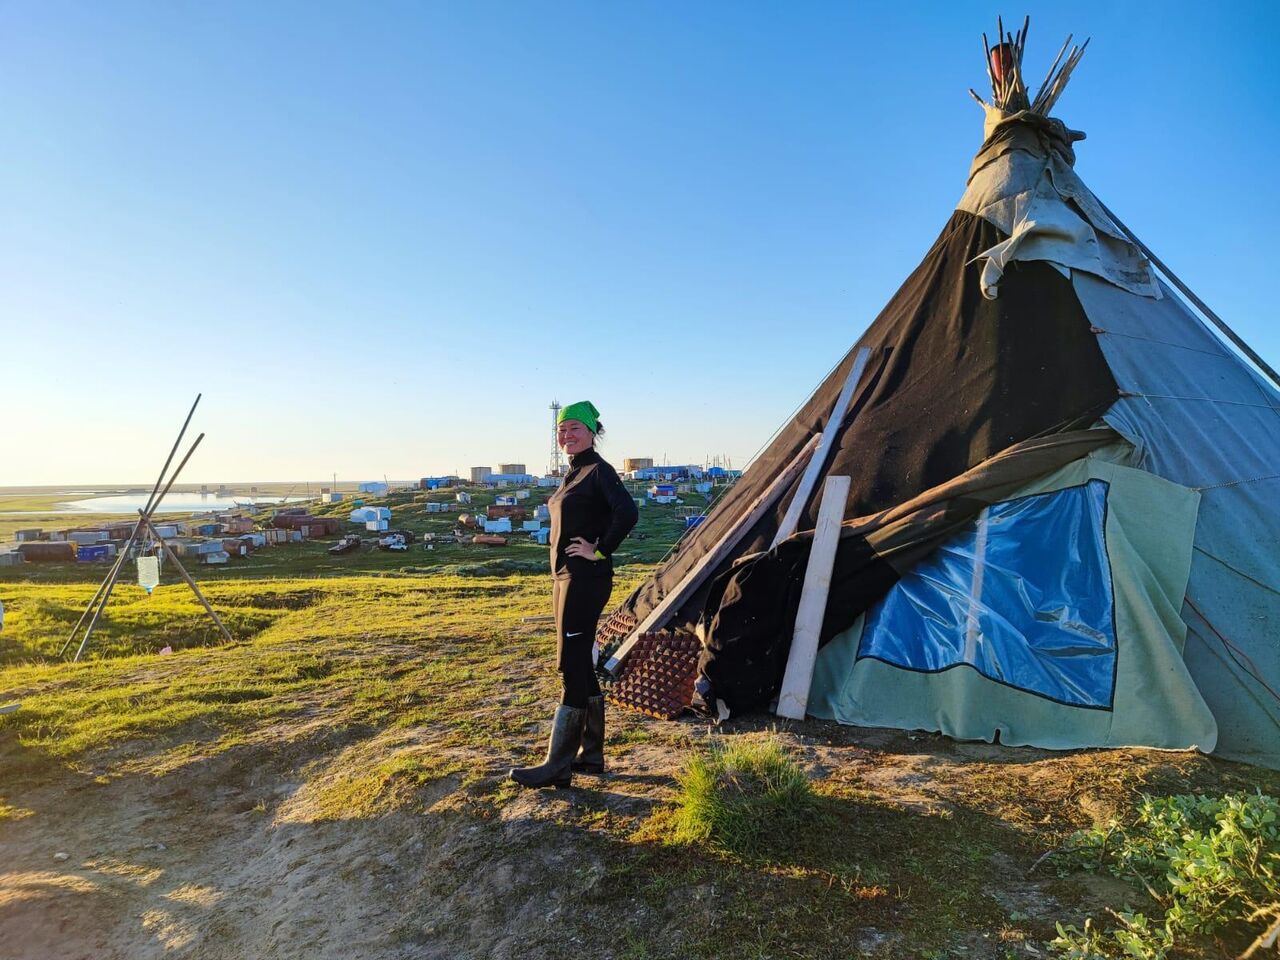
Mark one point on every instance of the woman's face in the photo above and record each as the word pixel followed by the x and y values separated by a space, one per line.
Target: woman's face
pixel 573 436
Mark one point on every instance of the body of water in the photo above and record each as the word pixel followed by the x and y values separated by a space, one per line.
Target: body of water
pixel 131 503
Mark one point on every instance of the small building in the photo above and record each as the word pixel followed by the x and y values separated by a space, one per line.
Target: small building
pixel 504 501
pixel 34 533
pixel 509 479
pixel 95 553
pixel 462 496
pixel 377 526
pixel 328 496
pixel 215 557
pixel 238 525
pixel 502 525
pixel 309 526
pixel 543 536
pixel 549 481
pixel 365 514
pixel 481 474
pixel 542 512
pixel 499 510
pixel 662 493
pixel 521 495
pixel 41 552
pixel 86 537
pixel 435 483
pixel 531 525
pixel 376 488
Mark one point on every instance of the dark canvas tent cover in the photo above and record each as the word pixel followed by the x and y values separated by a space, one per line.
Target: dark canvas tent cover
pixel 1063 528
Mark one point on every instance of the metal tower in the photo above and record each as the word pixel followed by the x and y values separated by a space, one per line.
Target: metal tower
pixel 557 458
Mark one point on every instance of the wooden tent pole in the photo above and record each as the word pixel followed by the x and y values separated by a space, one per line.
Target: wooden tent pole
pixel 137 528
pixel 793 700
pixel 791 520
pixel 111 583
pixel 168 552
pixel 694 578
pixel 1199 304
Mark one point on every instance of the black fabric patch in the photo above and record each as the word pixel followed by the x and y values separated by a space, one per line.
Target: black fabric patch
pixel 953 379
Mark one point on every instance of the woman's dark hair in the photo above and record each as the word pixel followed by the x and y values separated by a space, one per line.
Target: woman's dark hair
pixel 599 429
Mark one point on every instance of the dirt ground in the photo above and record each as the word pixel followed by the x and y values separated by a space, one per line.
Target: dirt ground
pixel 242 854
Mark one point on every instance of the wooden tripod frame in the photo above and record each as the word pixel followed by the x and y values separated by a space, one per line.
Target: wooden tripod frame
pixel 99 602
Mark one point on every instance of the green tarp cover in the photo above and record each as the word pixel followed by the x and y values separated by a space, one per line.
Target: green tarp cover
pixel 1149 528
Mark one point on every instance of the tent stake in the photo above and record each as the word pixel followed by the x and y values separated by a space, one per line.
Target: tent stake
pixel 1199 304
pixel 819 460
pixel 794 698
pixel 694 578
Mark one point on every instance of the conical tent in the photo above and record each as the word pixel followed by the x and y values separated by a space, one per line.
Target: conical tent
pixel 1063 528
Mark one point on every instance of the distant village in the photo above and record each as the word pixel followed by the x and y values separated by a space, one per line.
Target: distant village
pixel 218 536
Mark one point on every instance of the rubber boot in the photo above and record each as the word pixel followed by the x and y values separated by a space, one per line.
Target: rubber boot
pixel 590 758
pixel 566 737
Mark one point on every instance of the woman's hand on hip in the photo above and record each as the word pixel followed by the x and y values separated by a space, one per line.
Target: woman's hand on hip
pixel 581 547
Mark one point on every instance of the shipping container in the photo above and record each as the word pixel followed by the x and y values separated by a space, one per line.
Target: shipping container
pixel 42 552
pixel 499 510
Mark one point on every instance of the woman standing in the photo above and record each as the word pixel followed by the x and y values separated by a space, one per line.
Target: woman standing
pixel 591 513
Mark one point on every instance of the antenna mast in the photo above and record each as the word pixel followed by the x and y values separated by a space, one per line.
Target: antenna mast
pixel 557 458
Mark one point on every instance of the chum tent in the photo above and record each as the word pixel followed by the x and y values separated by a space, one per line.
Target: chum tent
pixel 1063 524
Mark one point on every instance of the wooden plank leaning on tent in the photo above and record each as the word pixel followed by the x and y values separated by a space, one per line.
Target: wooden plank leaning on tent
pixel 791 520
pixel 794 696
pixel 814 454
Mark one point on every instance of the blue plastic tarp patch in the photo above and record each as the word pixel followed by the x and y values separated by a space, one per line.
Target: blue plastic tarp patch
pixel 1023 596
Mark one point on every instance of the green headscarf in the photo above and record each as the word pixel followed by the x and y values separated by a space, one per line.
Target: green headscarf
pixel 584 411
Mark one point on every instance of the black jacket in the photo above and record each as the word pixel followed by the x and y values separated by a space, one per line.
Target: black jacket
pixel 593 504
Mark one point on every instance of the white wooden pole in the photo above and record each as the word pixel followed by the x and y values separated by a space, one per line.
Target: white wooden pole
pixel 672 601
pixel 819 461
pixel 794 698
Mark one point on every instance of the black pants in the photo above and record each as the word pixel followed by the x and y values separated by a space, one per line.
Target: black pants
pixel 578 604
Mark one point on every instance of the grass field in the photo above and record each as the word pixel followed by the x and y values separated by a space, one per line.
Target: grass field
pixel 332 784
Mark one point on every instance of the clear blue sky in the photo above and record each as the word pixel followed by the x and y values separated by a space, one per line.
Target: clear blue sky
pixel 382 237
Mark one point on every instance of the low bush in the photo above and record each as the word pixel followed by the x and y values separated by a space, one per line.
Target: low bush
pixel 1212 864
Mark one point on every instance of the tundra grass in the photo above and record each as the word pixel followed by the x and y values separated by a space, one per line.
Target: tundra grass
pixel 380 694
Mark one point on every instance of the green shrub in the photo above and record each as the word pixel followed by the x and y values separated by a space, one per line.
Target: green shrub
pixel 1211 863
pixel 745 797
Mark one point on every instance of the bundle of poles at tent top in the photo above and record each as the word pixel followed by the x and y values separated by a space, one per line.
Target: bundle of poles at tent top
pixel 1004 70
pixel 144 526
